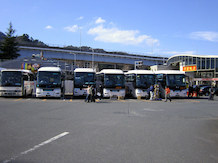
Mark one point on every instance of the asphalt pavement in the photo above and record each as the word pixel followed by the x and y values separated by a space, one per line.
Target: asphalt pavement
pixel 122 131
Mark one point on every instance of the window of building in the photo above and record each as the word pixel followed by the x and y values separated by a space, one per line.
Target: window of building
pixel 208 63
pixel 186 60
pixel 199 63
pixel 203 63
pixel 87 65
pixel 212 63
pixel 183 59
pixel 194 60
pixel 216 64
pixel 190 62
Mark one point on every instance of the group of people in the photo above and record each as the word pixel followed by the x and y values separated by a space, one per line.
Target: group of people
pixel 91 93
pixel 90 97
pixel 196 91
pixel 154 91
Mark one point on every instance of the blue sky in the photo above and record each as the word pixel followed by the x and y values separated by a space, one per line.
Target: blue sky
pixel 158 27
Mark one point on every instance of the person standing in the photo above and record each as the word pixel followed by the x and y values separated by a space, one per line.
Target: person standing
pixel 167 94
pixel 92 94
pixel 151 92
pixel 148 92
pixel 88 95
pixel 190 91
pixel 100 91
pixel 197 88
pixel 211 96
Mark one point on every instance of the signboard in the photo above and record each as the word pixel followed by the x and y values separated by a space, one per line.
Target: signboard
pixel 28 66
pixel 189 68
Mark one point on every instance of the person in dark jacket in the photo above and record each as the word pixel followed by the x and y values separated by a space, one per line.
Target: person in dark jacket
pixel 151 92
pixel 190 91
pixel 148 92
pixel 212 91
pixel 100 91
pixel 92 94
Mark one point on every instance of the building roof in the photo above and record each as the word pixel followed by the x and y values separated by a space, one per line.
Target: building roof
pixel 194 55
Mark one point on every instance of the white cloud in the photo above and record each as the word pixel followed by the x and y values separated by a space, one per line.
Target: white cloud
pixel 100 21
pixel 115 35
pixel 73 28
pixel 48 27
pixel 205 35
pixel 80 18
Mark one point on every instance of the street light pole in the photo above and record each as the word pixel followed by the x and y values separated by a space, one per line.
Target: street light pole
pixel 92 59
pixel 74 59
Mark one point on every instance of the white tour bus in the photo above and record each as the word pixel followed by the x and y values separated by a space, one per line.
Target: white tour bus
pixel 82 78
pixel 176 80
pixel 138 81
pixel 112 82
pixel 49 82
pixel 16 82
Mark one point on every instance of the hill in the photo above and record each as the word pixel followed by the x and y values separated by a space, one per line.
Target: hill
pixel 25 40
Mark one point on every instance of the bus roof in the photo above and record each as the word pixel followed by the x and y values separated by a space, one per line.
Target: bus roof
pixel 2 68
pixel 84 70
pixel 140 72
pixel 111 71
pixel 55 69
pixel 16 70
pixel 169 72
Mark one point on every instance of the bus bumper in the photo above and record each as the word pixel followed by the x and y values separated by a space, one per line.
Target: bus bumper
pixel 56 92
pixel 141 93
pixel 11 92
pixel 178 93
pixel 114 92
pixel 80 92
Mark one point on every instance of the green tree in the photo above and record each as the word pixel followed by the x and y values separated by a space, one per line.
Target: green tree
pixel 9 47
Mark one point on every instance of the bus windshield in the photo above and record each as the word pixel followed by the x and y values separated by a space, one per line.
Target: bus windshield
pixel 11 78
pixel 176 80
pixel 49 79
pixel 82 79
pixel 113 80
pixel 145 80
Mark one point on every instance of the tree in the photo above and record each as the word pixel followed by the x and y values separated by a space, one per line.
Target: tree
pixel 9 48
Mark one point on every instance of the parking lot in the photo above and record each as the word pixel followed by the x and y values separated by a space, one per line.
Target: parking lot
pixel 70 130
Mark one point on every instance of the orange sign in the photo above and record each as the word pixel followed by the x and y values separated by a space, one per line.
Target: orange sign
pixel 190 68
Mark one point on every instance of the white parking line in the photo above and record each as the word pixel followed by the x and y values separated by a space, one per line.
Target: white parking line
pixel 37 146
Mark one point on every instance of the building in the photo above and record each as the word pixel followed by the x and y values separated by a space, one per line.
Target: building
pixel 201 69
pixel 71 59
